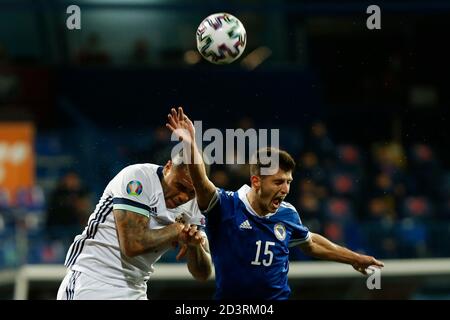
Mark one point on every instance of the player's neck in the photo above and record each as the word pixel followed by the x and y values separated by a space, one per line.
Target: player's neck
pixel 164 186
pixel 252 200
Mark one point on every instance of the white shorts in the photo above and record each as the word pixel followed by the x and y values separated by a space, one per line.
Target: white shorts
pixel 79 286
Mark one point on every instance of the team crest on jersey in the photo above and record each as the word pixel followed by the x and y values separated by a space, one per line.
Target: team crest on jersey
pixel 280 231
pixel 181 218
pixel 134 188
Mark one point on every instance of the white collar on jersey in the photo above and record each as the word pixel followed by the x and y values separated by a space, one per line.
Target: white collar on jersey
pixel 242 194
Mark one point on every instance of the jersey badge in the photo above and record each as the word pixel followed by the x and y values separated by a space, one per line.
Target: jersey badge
pixel 280 231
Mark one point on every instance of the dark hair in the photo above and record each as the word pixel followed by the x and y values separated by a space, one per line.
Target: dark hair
pixel 285 162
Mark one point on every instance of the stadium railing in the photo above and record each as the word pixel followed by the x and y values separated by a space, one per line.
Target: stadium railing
pixel 31 275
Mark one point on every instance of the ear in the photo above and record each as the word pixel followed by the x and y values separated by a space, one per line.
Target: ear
pixel 256 181
pixel 167 167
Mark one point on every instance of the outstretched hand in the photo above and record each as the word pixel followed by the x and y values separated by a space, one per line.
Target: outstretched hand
pixel 181 125
pixel 365 262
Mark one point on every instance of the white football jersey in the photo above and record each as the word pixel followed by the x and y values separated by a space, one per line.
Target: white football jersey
pixel 96 251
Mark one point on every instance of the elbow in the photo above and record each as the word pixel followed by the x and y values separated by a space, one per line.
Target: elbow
pixel 201 272
pixel 308 248
pixel 207 275
pixel 203 276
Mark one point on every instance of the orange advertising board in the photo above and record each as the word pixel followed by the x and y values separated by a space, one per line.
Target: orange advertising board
pixel 17 163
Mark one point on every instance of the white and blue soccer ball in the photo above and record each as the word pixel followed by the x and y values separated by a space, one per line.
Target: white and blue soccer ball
pixel 221 38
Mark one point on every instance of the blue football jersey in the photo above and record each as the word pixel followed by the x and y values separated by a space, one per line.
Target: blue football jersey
pixel 251 252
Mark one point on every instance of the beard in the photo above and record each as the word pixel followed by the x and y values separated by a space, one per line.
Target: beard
pixel 269 201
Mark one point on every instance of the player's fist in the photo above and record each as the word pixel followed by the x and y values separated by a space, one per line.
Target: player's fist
pixel 189 237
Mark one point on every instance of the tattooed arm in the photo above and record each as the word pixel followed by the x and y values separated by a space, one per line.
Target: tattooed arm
pixel 136 238
pixel 196 247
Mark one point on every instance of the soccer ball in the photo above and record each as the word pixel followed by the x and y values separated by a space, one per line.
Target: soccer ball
pixel 221 38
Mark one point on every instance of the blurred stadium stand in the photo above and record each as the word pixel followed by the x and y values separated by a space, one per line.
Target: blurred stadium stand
pixel 365 115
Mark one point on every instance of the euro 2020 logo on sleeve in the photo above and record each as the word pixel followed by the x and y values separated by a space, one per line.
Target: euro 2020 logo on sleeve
pixel 134 188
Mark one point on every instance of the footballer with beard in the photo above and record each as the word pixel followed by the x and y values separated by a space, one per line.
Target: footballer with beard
pixel 251 230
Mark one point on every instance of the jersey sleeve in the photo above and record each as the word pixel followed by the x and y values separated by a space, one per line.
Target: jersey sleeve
pixel 221 208
pixel 134 191
pixel 300 233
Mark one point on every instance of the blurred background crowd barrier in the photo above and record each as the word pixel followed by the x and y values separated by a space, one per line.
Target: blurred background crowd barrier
pixel 364 112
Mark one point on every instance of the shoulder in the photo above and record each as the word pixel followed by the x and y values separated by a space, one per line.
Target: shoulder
pixel 135 180
pixel 144 168
pixel 135 189
pixel 289 211
pixel 222 194
pixel 143 171
pixel 225 192
pixel 222 200
pixel 288 208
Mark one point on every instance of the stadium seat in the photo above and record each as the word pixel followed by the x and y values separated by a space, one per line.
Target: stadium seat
pixel 343 184
pixel 338 209
pixel 6 207
pixel 412 238
pixel 334 232
pixel 30 207
pixel 5 199
pixel 417 208
pixel 380 208
pixel 422 154
pixel 346 234
pixel 31 199
pixel 349 157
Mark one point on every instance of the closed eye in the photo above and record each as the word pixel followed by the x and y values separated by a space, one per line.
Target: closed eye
pixel 182 188
pixel 280 182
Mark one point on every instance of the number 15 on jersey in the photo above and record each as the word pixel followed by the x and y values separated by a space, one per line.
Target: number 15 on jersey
pixel 267 253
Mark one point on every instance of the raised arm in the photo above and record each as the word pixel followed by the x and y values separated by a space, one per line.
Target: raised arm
pixel 183 127
pixel 322 248
pixel 136 238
